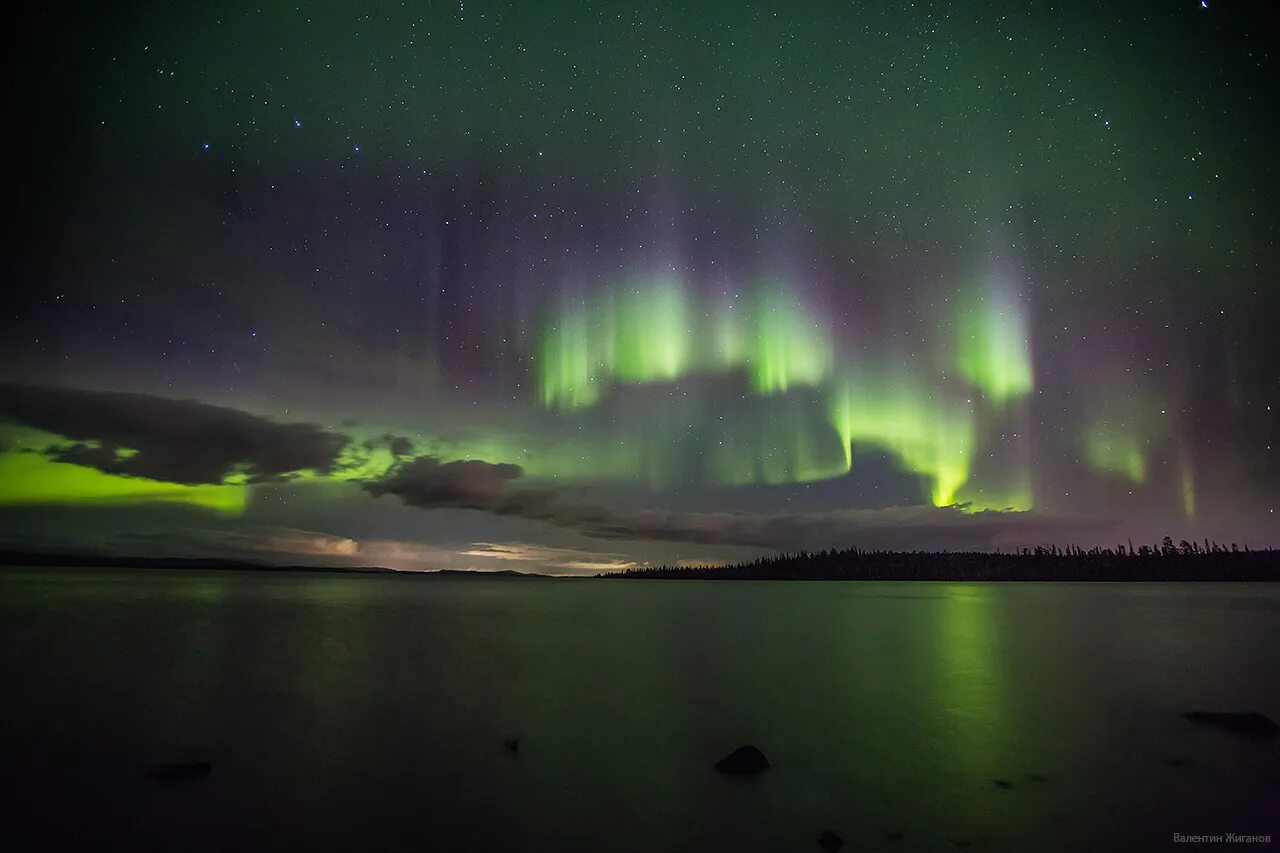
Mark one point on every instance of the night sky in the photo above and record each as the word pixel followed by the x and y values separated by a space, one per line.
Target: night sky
pixel 568 287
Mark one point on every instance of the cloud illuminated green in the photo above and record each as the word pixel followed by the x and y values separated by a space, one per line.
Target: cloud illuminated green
pixel 27 476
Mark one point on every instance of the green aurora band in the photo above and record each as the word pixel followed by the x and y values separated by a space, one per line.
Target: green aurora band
pixel 814 409
pixel 931 436
pixel 1117 449
pixel 993 351
pixel 650 333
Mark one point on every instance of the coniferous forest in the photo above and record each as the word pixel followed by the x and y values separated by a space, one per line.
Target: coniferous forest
pixel 1165 561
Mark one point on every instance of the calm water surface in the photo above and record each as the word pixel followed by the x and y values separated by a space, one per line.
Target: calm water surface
pixel 369 713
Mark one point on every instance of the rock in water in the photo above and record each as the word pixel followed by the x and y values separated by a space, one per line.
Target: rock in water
pixel 743 761
pixel 828 840
pixel 1240 722
pixel 181 772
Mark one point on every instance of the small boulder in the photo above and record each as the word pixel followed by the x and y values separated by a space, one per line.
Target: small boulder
pixel 743 761
pixel 828 840
pixel 1249 723
pixel 183 772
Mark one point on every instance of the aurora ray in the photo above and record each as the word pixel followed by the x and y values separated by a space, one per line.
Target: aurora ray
pixel 659 262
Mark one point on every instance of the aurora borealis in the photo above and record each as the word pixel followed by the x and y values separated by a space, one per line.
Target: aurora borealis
pixel 565 287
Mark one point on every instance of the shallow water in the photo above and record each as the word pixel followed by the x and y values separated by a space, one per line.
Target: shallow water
pixel 369 712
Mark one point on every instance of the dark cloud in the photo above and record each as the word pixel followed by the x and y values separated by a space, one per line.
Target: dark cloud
pixel 359 454
pixel 427 483
pixel 177 441
pixel 399 445
pixel 88 455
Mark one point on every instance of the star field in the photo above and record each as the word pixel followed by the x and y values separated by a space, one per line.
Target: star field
pixel 921 275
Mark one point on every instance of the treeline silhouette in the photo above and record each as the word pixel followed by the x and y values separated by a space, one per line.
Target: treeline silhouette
pixel 1185 561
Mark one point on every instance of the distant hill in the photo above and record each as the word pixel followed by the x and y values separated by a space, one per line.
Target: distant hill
pixel 40 558
pixel 1165 562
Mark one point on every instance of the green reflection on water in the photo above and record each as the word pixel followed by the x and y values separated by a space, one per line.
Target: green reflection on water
pixel 971 687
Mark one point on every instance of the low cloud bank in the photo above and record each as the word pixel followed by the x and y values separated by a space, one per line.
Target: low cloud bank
pixel 174 441
pixel 427 483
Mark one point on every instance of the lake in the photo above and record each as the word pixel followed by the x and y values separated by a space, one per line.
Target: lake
pixel 344 712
